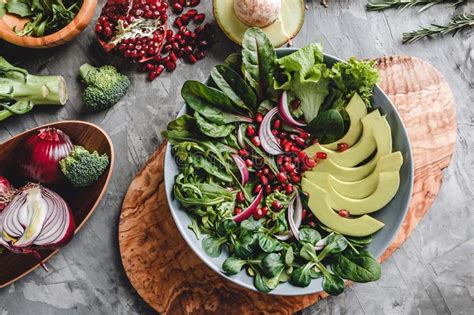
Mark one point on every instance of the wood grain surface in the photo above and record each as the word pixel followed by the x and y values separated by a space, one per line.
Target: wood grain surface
pixel 78 24
pixel 83 201
pixel 172 279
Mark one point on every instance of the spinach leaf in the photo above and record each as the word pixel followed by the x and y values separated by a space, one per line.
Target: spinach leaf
pixel 301 276
pixel 332 284
pixel 226 227
pixel 264 284
pixel 213 246
pixel 251 224
pixel 259 62
pixel 308 252
pixel 335 244
pixel 267 243
pixel 200 161
pixel 359 268
pixel 246 245
pixel 315 273
pixel 289 256
pixel 328 126
pixel 211 129
pixel 239 92
pixel 360 241
pixel 233 265
pixel 210 103
pixel 272 265
pixel 310 236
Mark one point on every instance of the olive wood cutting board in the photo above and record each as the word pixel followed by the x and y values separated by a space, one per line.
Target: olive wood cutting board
pixel 172 279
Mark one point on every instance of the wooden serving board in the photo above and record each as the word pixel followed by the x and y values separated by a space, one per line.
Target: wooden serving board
pixel 172 279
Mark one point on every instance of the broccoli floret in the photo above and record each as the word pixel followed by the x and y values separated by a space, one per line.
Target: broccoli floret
pixel 83 168
pixel 105 86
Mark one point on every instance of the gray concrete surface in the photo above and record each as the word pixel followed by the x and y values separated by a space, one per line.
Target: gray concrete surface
pixel 433 273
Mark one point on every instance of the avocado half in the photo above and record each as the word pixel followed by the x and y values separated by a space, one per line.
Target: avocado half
pixel 280 32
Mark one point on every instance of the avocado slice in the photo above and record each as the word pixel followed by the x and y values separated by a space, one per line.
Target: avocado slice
pixel 364 187
pixel 383 138
pixel 359 151
pixel 356 110
pixel 319 205
pixel 387 187
pixel 280 32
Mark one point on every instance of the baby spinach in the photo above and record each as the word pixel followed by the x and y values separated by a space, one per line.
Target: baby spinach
pixel 328 126
pixel 239 92
pixel 211 129
pixel 301 276
pixel 310 236
pixel 213 245
pixel 210 103
pixel 267 243
pixel 335 244
pixel 259 62
pixel 265 284
pixel 233 265
pixel 272 265
pixel 362 267
pixel 289 256
pixel 309 253
pixel 332 283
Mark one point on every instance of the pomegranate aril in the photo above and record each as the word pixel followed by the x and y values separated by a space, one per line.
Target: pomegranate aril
pixel 192 59
pixel 240 197
pixel 243 152
pixel 170 66
pixel 258 117
pixel 250 131
pixel 177 8
pixel 321 155
pixel 248 162
pixel 276 205
pixel 258 188
pixel 300 141
pixel 295 179
pixel 342 147
pixel 99 28
pixel 237 210
pixel 256 141
pixel 192 13
pixel 178 22
pixel 282 177
pixel 159 69
pixel 289 189
pixel 152 75
pixel 264 180
pixel 304 135
pixel 344 213
pixel 200 55
pixel 268 189
pixel 199 18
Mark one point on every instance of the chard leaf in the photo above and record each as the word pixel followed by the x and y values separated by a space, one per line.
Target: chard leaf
pixel 211 129
pixel 259 62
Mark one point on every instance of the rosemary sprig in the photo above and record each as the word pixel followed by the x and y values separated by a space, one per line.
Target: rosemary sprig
pixel 379 5
pixel 456 24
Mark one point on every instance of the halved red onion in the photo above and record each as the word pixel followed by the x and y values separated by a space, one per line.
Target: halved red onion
pixel 244 215
pixel 36 218
pixel 285 111
pixel 6 192
pixel 244 171
pixel 268 140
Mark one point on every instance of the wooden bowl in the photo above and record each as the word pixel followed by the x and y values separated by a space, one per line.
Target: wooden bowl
pixel 82 201
pixel 80 22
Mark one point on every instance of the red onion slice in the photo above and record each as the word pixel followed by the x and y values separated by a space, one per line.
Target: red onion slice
pixel 244 215
pixel 244 171
pixel 268 140
pixel 295 214
pixel 285 111
pixel 240 136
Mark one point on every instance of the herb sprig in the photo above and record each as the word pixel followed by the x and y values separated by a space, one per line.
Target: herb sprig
pixel 455 25
pixel 380 5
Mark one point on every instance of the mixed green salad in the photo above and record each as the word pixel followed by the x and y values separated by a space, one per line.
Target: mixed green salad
pixel 240 151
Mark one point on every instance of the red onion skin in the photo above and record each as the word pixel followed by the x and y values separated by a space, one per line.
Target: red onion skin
pixel 40 153
pixel 5 192
pixel 244 172
pixel 285 113
pixel 268 140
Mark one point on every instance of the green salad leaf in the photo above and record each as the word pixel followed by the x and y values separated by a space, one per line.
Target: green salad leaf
pixel 362 267
pixel 328 126
pixel 211 129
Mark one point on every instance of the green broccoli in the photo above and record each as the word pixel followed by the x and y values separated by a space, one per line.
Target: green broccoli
pixel 21 91
pixel 105 86
pixel 83 168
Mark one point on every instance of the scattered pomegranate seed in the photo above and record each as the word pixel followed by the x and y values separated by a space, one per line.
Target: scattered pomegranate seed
pixel 342 146
pixel 238 210
pixel 303 215
pixel 259 173
pixel 268 189
pixel 256 141
pixel 344 213
pixel 321 155
pixel 280 159
pixel 199 18
pixel 243 152
pixel 282 177
pixel 275 132
pixel 276 205
pixel 258 188
pixel 258 117
pixel 250 131
pixel 248 162
pixel 277 124
pixel 309 162
pixel 287 146
pixel 289 189
pixel 170 66
pixel 312 224
pixel 304 135
pixel 295 179
pixel 300 141
pixel 192 13
pixel 264 180
pixel 290 167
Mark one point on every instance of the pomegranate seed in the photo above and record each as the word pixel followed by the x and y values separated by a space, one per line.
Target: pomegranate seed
pixel 195 3
pixel 159 69
pixel 295 179
pixel 303 215
pixel 258 188
pixel 122 47
pixel 169 34
pixel 283 134
pixel 167 47
pixel 199 18
pixel 178 22
pixel 107 31
pixel 200 55
pixel 344 213
pixel 256 141
pixel 282 177
pixel 309 162
pixel 259 173
pixel 300 141
pixel 250 131
pixel 177 8
pixel 275 132
pixel 264 211
pixel 248 162
pixel 277 124
pixel 289 189
pixel 188 49
pixel 304 135
pixel 312 224
pixel 264 180
pixel 315 141
pixel 289 167
pixel 321 155
pixel 280 159
pixel 99 28
pixel 152 75
pixel 238 210
pixel 148 14
pixel 243 152
pixel 277 188
pixel 295 104
pixel 192 59
pixel 295 149
pixel 240 196
pixel 258 117
pixel 257 214
pixel 302 155
pixel 150 67
pixel 342 147
pixel 268 189
pixel 287 146
pixel 185 19
pixel 102 20
pixel 192 13
pixel 287 159
pixel 276 205
pixel 170 66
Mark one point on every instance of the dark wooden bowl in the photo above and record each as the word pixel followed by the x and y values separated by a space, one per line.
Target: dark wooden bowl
pixel 82 201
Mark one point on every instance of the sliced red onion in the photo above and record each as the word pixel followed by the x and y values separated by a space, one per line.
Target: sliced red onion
pixel 36 218
pixel 268 140
pixel 240 136
pixel 295 215
pixel 283 237
pixel 320 244
pixel 244 215
pixel 285 111
pixel 244 171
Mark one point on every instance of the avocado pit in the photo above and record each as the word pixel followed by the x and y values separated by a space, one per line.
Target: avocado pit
pixel 259 13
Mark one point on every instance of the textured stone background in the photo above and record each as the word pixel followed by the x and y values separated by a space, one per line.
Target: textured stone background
pixel 433 273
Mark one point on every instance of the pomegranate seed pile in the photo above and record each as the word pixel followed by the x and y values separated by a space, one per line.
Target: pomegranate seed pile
pixel 138 31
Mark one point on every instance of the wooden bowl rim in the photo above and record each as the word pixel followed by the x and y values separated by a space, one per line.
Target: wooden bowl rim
pixel 99 198
pixel 62 36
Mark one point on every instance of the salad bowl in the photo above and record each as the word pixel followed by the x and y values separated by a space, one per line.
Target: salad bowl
pixel 83 201
pixel 392 214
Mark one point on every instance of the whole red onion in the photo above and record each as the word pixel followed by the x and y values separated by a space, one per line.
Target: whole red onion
pixel 40 153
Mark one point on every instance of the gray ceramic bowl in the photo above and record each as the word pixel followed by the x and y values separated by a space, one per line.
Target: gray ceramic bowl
pixel 392 214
